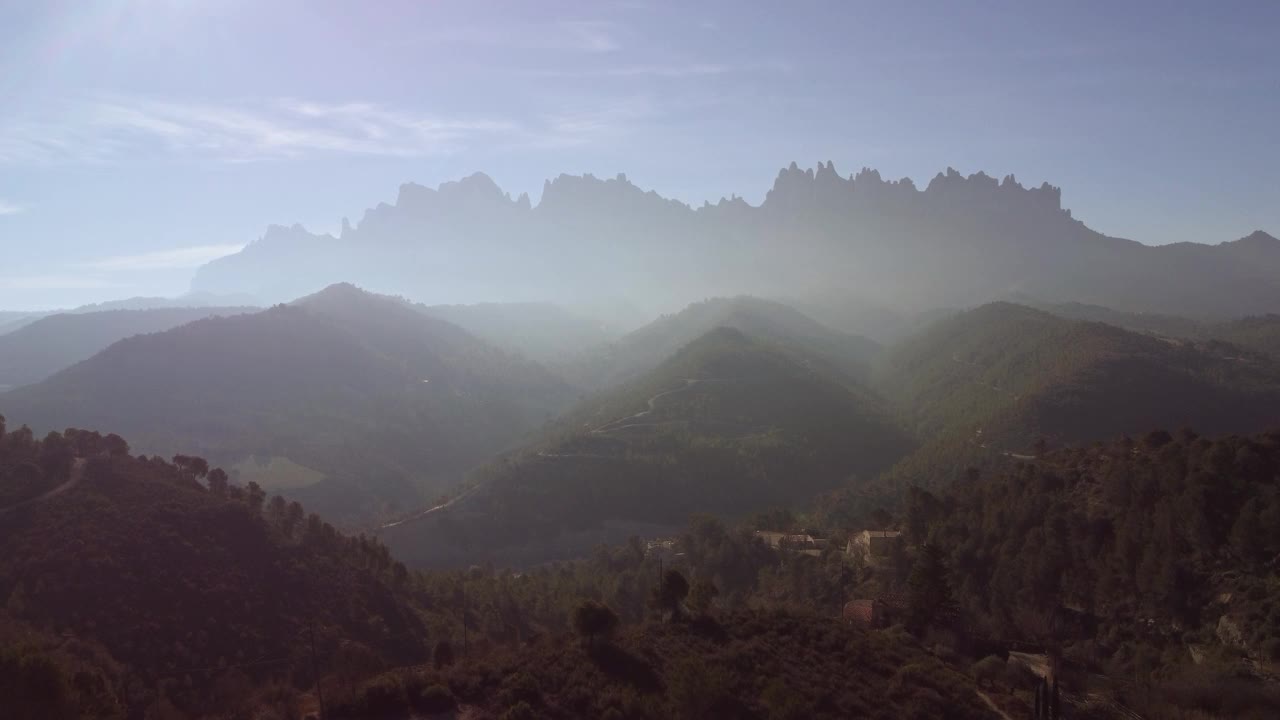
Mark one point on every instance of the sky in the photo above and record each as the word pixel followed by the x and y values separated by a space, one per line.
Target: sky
pixel 141 138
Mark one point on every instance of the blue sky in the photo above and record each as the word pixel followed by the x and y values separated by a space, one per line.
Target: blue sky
pixel 139 138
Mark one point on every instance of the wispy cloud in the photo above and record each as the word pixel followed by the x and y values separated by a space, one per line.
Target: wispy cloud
pixel 576 126
pixel 177 258
pixel 58 281
pixel 664 70
pixel 8 208
pixel 109 128
pixel 574 36
pixel 113 128
pixel 591 36
pixel 622 71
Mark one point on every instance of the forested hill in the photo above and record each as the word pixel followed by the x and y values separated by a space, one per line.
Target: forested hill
pixel 644 349
pixel 155 589
pixel 1259 333
pixel 729 425
pixel 1005 378
pixel 390 404
pixel 1171 541
pixel 154 581
pixel 42 348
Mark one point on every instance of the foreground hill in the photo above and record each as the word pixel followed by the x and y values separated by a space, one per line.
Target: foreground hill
pixel 956 242
pixel 45 346
pixel 745 665
pixel 729 425
pixel 389 405
pixel 143 582
pixel 1180 531
pixel 644 349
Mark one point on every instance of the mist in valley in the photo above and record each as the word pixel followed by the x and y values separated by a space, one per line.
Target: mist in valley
pixel 492 360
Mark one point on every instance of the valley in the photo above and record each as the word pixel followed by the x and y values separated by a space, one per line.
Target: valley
pixel 639 360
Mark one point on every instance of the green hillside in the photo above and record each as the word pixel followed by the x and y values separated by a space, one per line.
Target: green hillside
pixel 729 425
pixel 1000 379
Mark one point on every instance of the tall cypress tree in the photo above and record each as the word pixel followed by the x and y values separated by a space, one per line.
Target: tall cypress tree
pixel 929 597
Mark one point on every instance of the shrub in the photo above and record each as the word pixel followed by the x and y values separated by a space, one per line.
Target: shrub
pixel 520 711
pixel 433 699
pixel 990 670
pixel 384 696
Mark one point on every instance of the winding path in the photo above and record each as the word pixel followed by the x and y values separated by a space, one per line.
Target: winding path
pixel 77 472
pixel 991 704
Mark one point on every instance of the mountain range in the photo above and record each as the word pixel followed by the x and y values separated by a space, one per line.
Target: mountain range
pixel 958 242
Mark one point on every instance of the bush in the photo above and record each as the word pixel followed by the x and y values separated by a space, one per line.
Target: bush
pixel 433 699
pixel 520 711
pixel 384 696
pixel 990 670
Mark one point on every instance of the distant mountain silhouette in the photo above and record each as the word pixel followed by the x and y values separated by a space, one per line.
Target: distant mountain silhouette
pixel 729 425
pixel 958 242
pixel 12 321
pixel 49 344
pixel 390 404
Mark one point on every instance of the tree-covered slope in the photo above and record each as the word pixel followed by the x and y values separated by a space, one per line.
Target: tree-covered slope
pixel 1163 549
pixel 173 588
pixel 1001 378
pixel 1260 333
pixel 742 666
pixel 729 425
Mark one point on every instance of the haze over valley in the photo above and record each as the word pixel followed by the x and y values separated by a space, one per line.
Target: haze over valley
pixel 625 404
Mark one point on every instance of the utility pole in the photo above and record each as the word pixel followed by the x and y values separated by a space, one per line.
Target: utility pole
pixel 464 618
pixel 315 671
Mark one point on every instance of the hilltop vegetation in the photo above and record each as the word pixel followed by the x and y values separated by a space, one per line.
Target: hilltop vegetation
pixel 747 665
pixel 390 404
pixel 198 594
pixel 729 425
